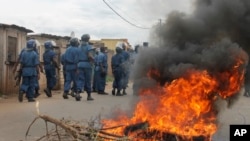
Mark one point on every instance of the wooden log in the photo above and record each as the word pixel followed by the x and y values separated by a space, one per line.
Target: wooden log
pixel 135 127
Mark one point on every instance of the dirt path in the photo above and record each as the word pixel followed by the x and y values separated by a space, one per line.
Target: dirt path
pixel 15 117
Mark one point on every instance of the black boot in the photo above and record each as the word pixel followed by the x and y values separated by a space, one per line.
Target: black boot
pixel 77 96
pixel 50 92
pixel 65 95
pixel 47 92
pixel 31 100
pixel 36 93
pixel 94 90
pixel 113 91
pixel 72 93
pixel 20 96
pixel 89 97
pixel 124 92
pixel 102 93
pixel 119 93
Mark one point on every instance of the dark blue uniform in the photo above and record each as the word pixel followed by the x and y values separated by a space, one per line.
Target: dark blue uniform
pixel 37 87
pixel 36 79
pixel 29 61
pixel 63 62
pixel 125 73
pixel 71 61
pixel 50 68
pixel 100 75
pixel 94 85
pixel 117 62
pixel 84 68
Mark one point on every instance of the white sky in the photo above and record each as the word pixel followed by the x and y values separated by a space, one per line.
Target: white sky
pixel 61 17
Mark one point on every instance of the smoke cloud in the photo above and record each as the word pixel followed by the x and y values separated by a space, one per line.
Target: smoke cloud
pixel 210 38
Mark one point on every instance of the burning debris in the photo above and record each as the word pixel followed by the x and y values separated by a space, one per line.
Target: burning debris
pixel 200 59
pixel 69 130
pixel 66 130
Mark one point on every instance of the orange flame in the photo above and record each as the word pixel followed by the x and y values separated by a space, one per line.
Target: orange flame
pixel 184 106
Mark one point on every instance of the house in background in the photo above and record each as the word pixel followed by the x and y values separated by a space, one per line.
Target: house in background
pixel 12 40
pixel 111 43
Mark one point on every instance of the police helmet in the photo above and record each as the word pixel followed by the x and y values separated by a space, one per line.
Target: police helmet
pixel 85 37
pixel 118 49
pixel 97 49
pixel 124 45
pixel 31 44
pixel 49 44
pixel 74 42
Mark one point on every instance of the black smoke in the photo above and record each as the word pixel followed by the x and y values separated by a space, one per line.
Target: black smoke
pixel 211 38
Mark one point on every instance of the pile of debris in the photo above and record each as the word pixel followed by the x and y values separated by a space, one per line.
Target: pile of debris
pixel 69 130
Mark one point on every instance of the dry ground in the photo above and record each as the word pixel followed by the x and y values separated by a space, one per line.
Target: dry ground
pixel 15 117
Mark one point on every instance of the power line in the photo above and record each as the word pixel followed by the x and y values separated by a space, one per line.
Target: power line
pixel 120 10
pixel 123 17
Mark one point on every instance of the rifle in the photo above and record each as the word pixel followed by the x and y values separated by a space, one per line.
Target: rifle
pixel 18 77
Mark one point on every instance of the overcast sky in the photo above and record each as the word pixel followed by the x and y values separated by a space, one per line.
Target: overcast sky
pixel 61 17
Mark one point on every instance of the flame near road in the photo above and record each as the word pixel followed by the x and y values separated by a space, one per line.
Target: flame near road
pixel 184 106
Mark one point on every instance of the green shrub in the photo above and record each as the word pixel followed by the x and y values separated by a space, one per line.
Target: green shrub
pixel 109 78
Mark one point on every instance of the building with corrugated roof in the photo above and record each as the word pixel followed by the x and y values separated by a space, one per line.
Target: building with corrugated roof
pixel 12 40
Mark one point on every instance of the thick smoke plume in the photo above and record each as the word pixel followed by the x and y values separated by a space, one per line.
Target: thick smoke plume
pixel 213 39
pixel 210 38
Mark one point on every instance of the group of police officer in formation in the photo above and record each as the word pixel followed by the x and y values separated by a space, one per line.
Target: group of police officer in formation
pixel 79 61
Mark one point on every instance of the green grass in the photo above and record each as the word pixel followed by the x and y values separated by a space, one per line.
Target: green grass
pixel 109 78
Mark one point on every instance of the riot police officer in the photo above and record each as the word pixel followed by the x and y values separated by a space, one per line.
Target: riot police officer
pixel 20 69
pixel 95 76
pixel 50 65
pixel 71 60
pixel 30 71
pixel 125 73
pixel 86 60
pixel 37 87
pixel 117 62
pixel 101 71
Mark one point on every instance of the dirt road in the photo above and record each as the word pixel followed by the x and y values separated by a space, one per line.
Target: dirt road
pixel 15 117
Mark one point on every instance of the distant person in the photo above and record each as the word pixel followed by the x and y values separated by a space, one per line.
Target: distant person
pixel 86 60
pixel 125 73
pixel 117 62
pixel 50 65
pixel 101 70
pixel 30 71
pixel 71 60
pixel 63 62
pixel 95 74
pixel 106 54
pixel 37 86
